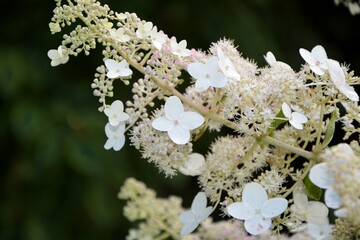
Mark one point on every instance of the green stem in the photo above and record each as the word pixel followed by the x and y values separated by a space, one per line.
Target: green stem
pixel 287 147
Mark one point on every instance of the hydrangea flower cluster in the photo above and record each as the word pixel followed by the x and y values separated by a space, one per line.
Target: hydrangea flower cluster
pixel 272 160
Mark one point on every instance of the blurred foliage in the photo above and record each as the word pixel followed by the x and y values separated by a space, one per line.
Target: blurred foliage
pixel 57 181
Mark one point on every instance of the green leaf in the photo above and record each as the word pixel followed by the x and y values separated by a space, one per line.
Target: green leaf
pixel 311 190
pixel 330 129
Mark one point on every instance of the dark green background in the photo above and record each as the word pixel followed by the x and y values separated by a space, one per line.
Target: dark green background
pixel 57 181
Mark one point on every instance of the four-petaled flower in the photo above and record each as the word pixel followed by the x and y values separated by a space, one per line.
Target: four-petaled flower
pixel 176 122
pixel 144 29
pixel 322 176
pixel 119 35
pixel 117 69
pixel 58 56
pixel 198 213
pixel 226 66
pixel 207 74
pixel 158 38
pixel 116 113
pixel 179 49
pixel 317 59
pixel 296 119
pixel 116 137
pixel 256 209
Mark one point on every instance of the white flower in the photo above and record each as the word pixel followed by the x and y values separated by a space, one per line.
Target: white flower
pixel 296 119
pixel 116 137
pixel 338 78
pixel 54 27
pixel 317 59
pixel 312 211
pixel 119 35
pixel 176 122
pixel 271 60
pixel 144 29
pixel 256 209
pixel 58 56
pixel 158 38
pixel 198 213
pixel 117 69
pixel 179 49
pixel 226 66
pixel 194 165
pixel 116 113
pixel 321 176
pixel 207 74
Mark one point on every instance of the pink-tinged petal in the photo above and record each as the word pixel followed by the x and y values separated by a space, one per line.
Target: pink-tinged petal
pixel 119 143
pixel 186 217
pixel 296 124
pixel 179 135
pixel 163 124
pixel 199 203
pixel 257 225
pixel 189 228
pixel 306 55
pixel 299 117
pixel 173 108
pixel 332 198
pixel 286 110
pixel 241 210
pixel 205 214
pixel 321 175
pixel 254 195
pixel 109 143
pixel 197 70
pixel 319 53
pixel 274 207
pixel 191 120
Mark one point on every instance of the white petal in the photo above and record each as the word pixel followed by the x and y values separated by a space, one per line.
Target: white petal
pixel 205 214
pixel 300 202
pixel 241 210
pixel 191 120
pixel 122 117
pixel 53 54
pixel 179 135
pixel 254 195
pixel 286 110
pixel 186 217
pixel 109 143
pixel 119 143
pixel 321 175
pixel 125 72
pixel 189 228
pixel 257 225
pixel 218 80
pixel 317 212
pixel 296 124
pixel 306 55
pixel 319 231
pixel 117 106
pixel 197 70
pixel 162 124
pixel 274 207
pixel 299 117
pixel 317 70
pixel 270 58
pixel 319 53
pixel 111 64
pixel 332 198
pixel 199 203
pixel 173 108
pixel 194 165
pixel 341 212
pixel 202 84
pixel 112 74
